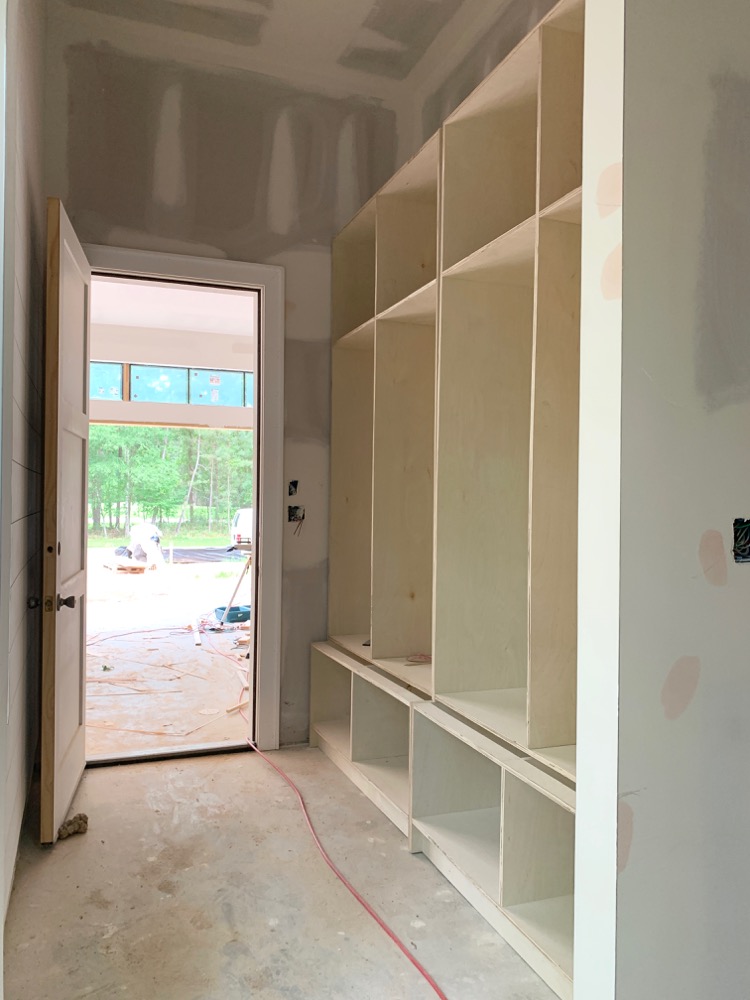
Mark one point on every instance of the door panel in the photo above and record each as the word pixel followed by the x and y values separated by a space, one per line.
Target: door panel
pixel 65 520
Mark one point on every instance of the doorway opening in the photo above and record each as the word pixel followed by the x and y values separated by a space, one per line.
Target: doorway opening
pixel 172 486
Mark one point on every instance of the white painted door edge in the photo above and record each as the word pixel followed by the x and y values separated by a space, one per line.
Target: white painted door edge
pixel 269 279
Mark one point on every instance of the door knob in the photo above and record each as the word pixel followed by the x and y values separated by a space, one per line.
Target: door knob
pixel 68 602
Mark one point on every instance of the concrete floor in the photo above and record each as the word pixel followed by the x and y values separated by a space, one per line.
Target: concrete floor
pixel 197 880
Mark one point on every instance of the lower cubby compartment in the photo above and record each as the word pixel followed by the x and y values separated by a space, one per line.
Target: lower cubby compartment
pixel 376 754
pixel 538 850
pixel 502 831
pixel 330 703
pixel 456 803
pixel 380 740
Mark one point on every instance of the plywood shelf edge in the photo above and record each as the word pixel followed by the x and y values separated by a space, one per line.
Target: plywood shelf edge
pixel 420 306
pixel 360 338
pixel 512 249
pixel 565 209
pixel 518 764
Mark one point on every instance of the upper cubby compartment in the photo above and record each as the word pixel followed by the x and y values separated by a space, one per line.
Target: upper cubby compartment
pixel 350 534
pixel 353 298
pixel 407 209
pixel 561 106
pixel 490 156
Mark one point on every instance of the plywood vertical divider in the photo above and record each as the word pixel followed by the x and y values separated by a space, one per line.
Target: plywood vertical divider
pixel 350 536
pixel 403 489
pixel 554 488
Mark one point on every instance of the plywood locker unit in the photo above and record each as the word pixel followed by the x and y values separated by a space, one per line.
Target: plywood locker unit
pixel 361 721
pixel 353 273
pixel 482 497
pixel 350 536
pixel 490 156
pixel 407 209
pixel 553 535
pixel 403 486
pixel 454 492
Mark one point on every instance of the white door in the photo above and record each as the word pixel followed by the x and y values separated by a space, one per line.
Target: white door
pixel 66 431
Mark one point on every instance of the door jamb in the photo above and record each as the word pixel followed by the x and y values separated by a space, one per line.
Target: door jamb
pixel 269 445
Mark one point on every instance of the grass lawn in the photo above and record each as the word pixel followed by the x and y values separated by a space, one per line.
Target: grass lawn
pixel 183 541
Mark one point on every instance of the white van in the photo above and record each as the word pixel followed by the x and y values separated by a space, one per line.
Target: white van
pixel 243 524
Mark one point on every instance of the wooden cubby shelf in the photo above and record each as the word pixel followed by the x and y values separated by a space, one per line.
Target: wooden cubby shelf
pixel 407 209
pixel 490 156
pixel 454 495
pixel 361 721
pixel 419 307
pixel 417 676
pixel 509 258
pixel 538 848
pixel 502 832
pixel 566 209
pixel 353 281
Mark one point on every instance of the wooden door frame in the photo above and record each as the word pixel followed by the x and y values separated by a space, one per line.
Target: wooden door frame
pixel 269 452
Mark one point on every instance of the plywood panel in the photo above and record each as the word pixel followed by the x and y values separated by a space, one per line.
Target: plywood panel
pixel 554 489
pixel 484 407
pixel 538 845
pixel 403 490
pixel 351 492
pixel 560 114
pixel 489 178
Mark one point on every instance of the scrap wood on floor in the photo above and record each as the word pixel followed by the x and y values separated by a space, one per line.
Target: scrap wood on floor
pixel 147 674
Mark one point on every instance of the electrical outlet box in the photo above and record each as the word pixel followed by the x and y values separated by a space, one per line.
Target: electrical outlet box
pixel 296 513
pixel 741 547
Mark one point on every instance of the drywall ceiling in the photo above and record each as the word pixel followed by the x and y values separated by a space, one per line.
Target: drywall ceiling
pixel 382 38
pixel 171 306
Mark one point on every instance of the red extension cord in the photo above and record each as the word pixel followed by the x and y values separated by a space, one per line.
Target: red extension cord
pixel 342 878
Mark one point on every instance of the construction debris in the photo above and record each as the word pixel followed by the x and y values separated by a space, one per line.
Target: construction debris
pixel 78 824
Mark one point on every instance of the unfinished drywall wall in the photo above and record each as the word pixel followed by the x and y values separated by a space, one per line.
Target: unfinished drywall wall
pixel 684 736
pixel 468 48
pixel 156 146
pixel 22 408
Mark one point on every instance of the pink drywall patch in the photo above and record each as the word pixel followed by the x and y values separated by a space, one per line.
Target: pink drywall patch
pixel 609 190
pixel 612 275
pixel 713 557
pixel 680 686
pixel 625 823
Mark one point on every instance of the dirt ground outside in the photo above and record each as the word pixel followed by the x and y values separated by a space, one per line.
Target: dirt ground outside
pixel 149 686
